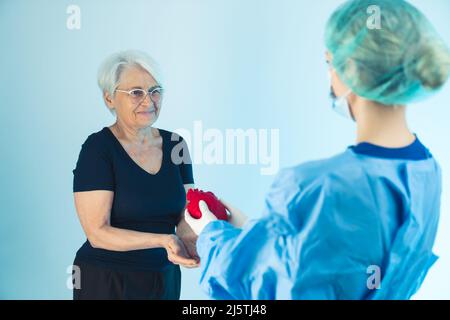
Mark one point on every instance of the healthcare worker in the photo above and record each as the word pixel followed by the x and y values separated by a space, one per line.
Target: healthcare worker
pixel 359 225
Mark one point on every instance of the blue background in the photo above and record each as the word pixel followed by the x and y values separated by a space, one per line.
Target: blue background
pixel 231 64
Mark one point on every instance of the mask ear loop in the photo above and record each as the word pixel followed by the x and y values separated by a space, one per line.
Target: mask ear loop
pixel 349 106
pixel 340 100
pixel 350 111
pixel 342 107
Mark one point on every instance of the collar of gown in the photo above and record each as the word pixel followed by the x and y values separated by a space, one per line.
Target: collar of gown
pixel 414 151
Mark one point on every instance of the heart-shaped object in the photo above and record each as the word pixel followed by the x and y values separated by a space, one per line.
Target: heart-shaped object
pixel 215 206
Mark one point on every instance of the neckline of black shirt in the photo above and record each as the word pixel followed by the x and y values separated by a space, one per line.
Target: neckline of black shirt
pixel 117 142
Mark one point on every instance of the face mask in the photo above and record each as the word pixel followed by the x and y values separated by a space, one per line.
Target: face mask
pixel 340 105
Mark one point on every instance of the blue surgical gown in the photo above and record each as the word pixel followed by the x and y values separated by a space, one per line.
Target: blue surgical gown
pixel 331 228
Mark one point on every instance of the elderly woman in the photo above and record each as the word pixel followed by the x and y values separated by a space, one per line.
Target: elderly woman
pixel 361 224
pixel 129 194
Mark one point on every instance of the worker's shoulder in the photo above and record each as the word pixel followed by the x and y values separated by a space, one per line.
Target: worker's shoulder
pixel 318 171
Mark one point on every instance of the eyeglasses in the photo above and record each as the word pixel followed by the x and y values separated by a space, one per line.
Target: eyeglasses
pixel 139 95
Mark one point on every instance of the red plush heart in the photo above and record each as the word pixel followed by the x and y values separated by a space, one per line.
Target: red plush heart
pixel 215 206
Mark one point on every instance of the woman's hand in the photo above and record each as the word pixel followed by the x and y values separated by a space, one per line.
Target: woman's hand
pixel 188 237
pixel 177 253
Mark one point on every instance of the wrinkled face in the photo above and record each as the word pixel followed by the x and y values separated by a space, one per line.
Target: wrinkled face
pixel 338 88
pixel 134 111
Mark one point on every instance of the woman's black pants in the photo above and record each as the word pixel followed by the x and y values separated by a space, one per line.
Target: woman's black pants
pixel 100 283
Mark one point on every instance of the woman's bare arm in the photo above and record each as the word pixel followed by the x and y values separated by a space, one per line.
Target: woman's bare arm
pixel 94 209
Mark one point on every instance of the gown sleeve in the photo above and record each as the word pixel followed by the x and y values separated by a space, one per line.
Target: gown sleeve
pixel 247 263
pixel 259 261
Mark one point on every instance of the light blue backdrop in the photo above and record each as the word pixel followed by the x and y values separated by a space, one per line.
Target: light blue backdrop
pixel 229 63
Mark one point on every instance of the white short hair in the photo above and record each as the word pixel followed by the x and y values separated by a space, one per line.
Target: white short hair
pixel 109 73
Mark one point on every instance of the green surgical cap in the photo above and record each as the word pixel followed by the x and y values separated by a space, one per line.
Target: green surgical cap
pixel 387 51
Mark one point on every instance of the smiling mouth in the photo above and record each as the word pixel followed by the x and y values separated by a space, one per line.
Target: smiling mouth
pixel 153 110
